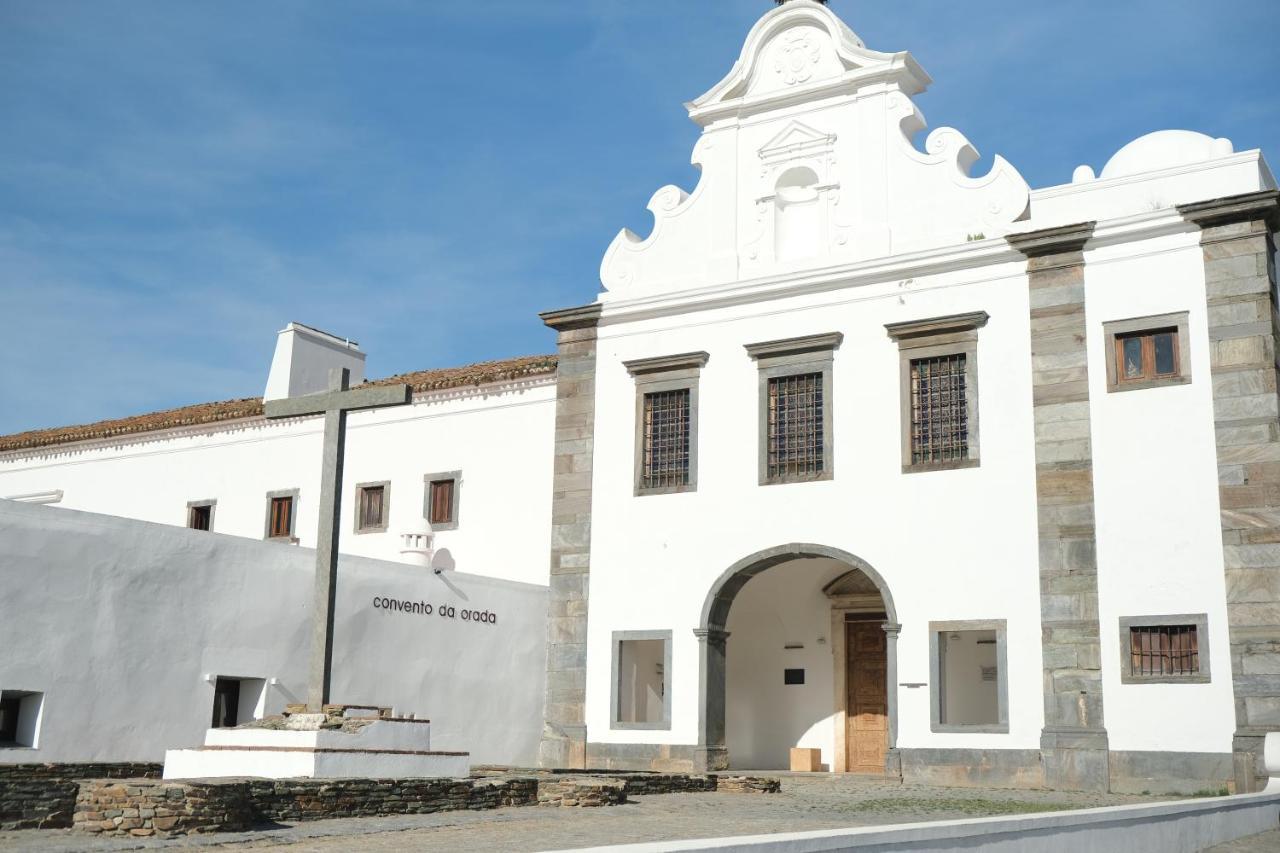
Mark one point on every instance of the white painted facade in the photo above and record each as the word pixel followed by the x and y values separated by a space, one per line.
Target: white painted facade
pixel 901 235
pixel 497 436
pixel 816 213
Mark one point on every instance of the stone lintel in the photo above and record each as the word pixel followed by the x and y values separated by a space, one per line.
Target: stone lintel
pixel 667 363
pixel 937 325
pixel 794 346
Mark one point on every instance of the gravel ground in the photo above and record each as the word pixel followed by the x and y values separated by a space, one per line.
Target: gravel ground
pixel 806 803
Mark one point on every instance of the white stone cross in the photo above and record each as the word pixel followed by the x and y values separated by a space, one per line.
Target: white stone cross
pixel 334 405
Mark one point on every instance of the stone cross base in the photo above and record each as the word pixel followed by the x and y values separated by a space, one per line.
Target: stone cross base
pixel 319 746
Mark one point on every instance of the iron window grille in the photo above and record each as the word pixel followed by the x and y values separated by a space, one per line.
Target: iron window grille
pixel 939 409
pixel 1164 650
pixel 795 436
pixel 665 437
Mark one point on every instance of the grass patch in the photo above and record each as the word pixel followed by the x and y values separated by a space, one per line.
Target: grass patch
pixel 972 806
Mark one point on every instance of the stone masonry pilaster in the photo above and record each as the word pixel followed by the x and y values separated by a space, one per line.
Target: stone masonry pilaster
pixel 564 732
pixel 1073 744
pixel 1240 280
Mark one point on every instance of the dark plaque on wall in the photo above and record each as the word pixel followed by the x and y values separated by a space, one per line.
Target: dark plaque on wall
pixel 793 676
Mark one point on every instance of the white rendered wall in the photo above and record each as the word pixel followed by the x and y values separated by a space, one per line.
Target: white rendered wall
pixel 500 440
pixel 951 545
pixel 1156 497
pixel 118 622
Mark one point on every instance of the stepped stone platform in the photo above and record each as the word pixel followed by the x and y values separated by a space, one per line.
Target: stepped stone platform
pixel 340 742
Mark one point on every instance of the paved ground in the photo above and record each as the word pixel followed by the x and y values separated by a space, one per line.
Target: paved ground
pixel 806 803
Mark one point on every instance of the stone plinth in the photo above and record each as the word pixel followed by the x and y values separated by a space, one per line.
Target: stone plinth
pixel 319 746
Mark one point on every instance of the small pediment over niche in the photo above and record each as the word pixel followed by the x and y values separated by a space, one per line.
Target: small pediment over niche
pixel 796 139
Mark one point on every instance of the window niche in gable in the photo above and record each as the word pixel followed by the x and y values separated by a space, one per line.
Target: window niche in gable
pixel 666 442
pixel 795 420
pixel 938 377
pixel 1147 352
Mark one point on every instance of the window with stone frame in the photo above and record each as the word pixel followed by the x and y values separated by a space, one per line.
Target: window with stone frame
pixel 200 515
pixel 641 669
pixel 1147 352
pixel 666 435
pixel 664 448
pixel 441 505
pixel 938 360
pixel 1164 649
pixel 795 433
pixel 939 409
pixel 282 510
pixel 372 507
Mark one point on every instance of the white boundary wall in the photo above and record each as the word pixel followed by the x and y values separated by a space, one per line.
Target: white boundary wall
pixel 118 622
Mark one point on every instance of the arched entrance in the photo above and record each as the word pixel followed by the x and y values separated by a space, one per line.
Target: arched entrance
pixel 858 581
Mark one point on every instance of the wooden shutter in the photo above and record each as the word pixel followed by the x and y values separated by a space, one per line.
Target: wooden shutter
pixel 442 502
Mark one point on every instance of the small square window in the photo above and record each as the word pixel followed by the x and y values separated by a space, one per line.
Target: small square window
pixel 641 663
pixel 200 515
pixel 282 510
pixel 1147 352
pixel 372 507
pixel 20 712
pixel 793 676
pixel 441 509
pixel 1164 649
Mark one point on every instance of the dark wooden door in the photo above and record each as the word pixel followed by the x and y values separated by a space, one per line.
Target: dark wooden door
pixel 867 718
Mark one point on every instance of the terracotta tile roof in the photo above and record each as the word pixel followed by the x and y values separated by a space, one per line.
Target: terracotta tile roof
pixel 229 410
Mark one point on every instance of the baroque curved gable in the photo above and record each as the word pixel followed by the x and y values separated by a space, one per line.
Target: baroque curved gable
pixel 807 162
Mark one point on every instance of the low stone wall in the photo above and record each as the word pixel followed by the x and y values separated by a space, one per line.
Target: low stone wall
pixel 747 785
pixel 584 793
pixel 150 807
pixel 145 807
pixel 668 783
pixel 43 796
pixel 307 799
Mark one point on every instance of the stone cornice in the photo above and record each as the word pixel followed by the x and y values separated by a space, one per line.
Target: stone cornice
pixel 794 346
pixel 1247 207
pixel 667 363
pixel 1059 240
pixel 566 319
pixel 937 325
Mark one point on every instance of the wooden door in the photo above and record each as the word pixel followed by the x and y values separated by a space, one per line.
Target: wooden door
pixel 867 717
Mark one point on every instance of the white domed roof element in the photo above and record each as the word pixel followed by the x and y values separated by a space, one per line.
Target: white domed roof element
pixel 1165 149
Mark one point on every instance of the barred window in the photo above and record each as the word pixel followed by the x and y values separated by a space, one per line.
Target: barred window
pixel 665 439
pixel 939 409
pixel 795 439
pixel 1164 650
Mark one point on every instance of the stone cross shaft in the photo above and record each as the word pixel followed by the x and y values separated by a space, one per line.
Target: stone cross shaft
pixel 334 405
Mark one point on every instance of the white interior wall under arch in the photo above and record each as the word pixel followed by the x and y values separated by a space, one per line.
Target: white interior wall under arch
pixel 764 717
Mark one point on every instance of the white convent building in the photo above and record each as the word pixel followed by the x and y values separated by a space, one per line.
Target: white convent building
pixel 935 473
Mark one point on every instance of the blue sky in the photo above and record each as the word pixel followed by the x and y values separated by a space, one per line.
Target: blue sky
pixel 179 179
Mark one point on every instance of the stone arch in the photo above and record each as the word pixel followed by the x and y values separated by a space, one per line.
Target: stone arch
pixel 712 752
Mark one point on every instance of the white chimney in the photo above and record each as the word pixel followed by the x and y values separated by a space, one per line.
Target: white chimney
pixel 304 356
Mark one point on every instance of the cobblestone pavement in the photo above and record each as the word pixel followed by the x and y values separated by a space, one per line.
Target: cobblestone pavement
pixel 806 803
